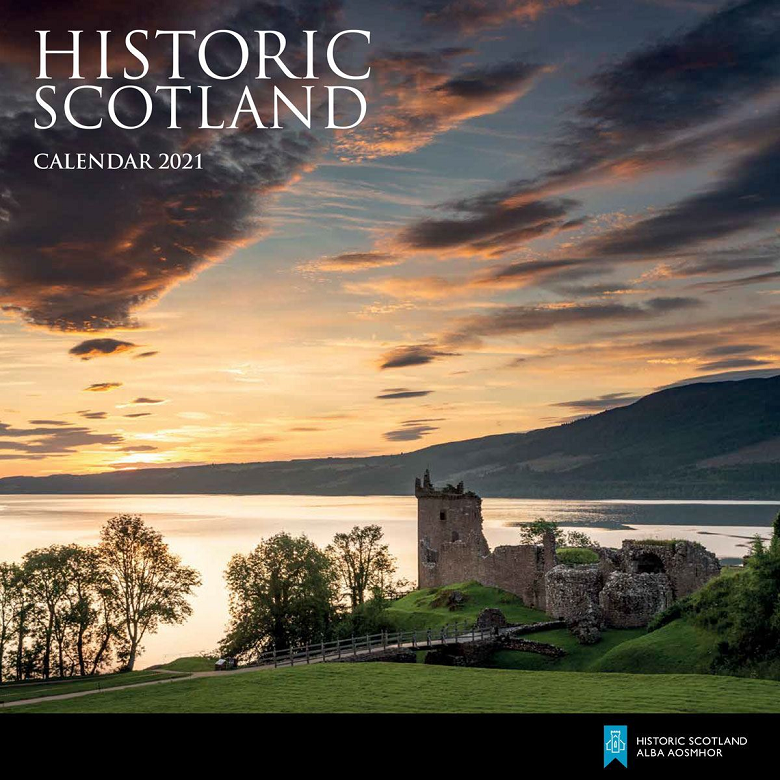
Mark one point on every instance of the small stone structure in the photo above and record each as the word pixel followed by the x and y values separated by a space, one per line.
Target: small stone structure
pixel 490 618
pixel 624 589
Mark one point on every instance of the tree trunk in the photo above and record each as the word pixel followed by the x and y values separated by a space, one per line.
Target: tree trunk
pixel 80 649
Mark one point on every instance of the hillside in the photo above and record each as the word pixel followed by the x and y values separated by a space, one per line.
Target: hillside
pixel 710 440
pixel 428 608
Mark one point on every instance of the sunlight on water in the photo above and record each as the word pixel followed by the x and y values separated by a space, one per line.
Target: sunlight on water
pixel 206 530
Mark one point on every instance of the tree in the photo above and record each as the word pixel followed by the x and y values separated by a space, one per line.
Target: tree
pixel 25 615
pixel 774 543
pixel 46 582
pixel 534 532
pixel 7 600
pixel 282 593
pixel 90 618
pixel 364 564
pixel 577 539
pixel 145 584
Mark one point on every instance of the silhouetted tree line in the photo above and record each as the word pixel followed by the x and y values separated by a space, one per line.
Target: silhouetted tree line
pixel 70 610
pixel 287 591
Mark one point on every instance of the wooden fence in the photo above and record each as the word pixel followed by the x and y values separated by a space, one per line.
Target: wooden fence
pixel 373 643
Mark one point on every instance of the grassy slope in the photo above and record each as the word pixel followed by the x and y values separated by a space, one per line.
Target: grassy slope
pixel 31 690
pixel 414 611
pixel 679 647
pixel 580 658
pixel 190 663
pixel 332 688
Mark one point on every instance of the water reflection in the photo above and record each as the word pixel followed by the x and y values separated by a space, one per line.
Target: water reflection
pixel 206 530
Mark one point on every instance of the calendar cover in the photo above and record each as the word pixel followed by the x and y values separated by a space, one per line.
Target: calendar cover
pixel 414 356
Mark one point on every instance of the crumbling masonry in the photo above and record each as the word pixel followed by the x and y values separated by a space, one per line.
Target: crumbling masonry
pixel 454 549
pixel 625 589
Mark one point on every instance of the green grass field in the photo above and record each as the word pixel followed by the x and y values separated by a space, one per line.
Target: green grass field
pixel 376 688
pixel 31 690
pixel 416 609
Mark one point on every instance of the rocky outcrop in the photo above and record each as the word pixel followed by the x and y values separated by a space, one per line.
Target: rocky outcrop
pixel 630 600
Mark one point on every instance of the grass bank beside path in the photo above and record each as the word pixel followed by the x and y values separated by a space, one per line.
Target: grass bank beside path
pixel 379 688
pixel 189 663
pixel 34 689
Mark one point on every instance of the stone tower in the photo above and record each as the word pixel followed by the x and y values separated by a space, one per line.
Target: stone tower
pixel 444 516
pixel 452 547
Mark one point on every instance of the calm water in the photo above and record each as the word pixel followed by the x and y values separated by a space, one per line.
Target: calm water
pixel 206 530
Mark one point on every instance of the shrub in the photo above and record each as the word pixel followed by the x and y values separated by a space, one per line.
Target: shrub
pixel 575 556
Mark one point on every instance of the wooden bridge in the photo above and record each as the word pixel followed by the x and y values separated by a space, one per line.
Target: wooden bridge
pixel 368 644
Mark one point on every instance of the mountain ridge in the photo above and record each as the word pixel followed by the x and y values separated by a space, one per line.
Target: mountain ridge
pixel 661 446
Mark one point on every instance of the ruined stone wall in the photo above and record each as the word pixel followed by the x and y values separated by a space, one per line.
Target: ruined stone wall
pixel 571 590
pixel 625 588
pixel 453 548
pixel 688 565
pixel 631 600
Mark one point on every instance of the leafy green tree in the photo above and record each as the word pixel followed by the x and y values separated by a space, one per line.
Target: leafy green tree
pixel 534 532
pixel 577 539
pixel 282 593
pixel 145 584
pixel 365 565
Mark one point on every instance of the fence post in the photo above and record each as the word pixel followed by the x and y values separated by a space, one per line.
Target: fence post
pixel 274 655
pixel 322 647
pixel 428 636
pixel 399 638
pixel 384 640
pixel 338 647
pixel 414 639
pixel 472 632
pixel 354 646
pixel 368 645
pixel 292 660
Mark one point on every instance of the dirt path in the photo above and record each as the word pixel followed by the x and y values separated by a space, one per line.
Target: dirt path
pixel 195 675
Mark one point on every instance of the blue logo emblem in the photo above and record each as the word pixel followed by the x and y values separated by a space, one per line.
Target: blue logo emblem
pixel 616 744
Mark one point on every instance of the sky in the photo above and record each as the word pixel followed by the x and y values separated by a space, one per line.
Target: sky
pixel 551 209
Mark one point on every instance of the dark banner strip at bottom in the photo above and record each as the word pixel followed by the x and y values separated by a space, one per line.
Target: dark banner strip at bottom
pixel 613 742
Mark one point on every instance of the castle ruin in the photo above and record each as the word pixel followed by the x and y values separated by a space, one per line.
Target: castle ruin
pixel 624 589
pixel 452 547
